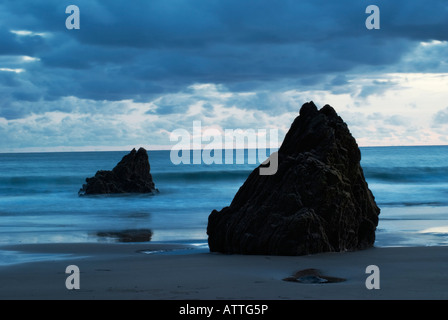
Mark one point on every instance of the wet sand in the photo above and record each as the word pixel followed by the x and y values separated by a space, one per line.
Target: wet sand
pixel 176 272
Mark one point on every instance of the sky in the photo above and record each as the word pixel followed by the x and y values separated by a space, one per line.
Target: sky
pixel 135 71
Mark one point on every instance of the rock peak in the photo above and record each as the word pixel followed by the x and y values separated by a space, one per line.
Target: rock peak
pixel 308 108
pixel 329 111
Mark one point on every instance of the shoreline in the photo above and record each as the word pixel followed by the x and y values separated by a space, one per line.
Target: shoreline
pixel 123 271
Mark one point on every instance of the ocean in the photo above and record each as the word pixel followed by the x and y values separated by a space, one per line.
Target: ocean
pixel 39 200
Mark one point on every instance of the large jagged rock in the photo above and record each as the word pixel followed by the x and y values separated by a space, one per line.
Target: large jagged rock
pixel 130 175
pixel 317 201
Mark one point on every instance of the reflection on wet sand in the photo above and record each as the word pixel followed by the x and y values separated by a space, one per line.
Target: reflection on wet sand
pixel 129 235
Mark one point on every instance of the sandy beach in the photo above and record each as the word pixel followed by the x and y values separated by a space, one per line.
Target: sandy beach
pixel 124 271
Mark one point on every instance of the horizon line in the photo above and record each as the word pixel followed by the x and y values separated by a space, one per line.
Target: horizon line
pixel 124 149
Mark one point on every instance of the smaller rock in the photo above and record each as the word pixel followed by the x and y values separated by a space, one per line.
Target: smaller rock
pixel 130 175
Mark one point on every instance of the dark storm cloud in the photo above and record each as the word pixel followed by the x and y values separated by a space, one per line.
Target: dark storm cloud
pixel 8 79
pixel 139 49
pixel 12 44
pixel 339 80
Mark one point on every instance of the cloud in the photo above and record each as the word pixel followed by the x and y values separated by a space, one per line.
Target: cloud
pixel 14 44
pixel 441 118
pixel 173 46
pixel 229 61
pixel 377 87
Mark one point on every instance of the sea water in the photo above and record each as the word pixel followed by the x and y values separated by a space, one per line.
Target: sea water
pixel 39 201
